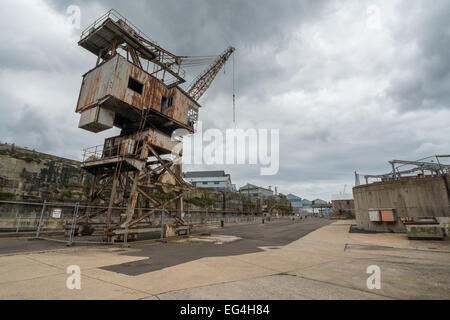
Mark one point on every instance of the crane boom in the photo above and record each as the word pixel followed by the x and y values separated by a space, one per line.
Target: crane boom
pixel 204 80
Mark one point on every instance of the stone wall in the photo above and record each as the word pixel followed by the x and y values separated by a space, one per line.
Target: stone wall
pixel 32 176
pixel 410 197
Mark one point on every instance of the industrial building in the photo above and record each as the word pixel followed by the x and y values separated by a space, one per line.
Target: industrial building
pixel 255 191
pixel 296 203
pixel 218 180
pixel 399 198
pixel 343 205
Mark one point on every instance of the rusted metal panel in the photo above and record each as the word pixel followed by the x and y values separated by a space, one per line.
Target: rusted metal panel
pixel 388 215
pixel 161 141
pixel 96 119
pixel 97 84
pixel 127 147
pixel 101 37
pixel 111 79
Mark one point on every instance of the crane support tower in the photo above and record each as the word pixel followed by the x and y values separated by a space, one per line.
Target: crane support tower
pixel 134 86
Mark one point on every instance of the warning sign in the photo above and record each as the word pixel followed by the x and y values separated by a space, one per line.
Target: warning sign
pixel 57 213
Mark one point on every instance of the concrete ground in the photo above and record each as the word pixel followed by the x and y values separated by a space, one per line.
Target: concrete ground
pixel 310 259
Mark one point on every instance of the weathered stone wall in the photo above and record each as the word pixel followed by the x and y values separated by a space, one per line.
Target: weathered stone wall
pixel 410 197
pixel 31 176
pixel 27 175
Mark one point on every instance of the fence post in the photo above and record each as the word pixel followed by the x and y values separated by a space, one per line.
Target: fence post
pixel 18 224
pixel 74 220
pixel 38 231
pixel 162 224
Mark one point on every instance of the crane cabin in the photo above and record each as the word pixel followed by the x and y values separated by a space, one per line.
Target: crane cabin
pixel 122 89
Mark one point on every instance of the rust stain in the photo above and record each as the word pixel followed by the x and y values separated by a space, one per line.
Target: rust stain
pixel 111 78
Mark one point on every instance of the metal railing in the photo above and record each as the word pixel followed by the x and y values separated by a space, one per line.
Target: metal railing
pixel 167 59
pixel 25 217
pixel 93 153
pixel 112 14
pixel 100 152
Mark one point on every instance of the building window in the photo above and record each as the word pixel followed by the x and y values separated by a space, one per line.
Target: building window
pixel 216 182
pixel 170 102
pixel 135 85
pixel 205 182
pixel 164 104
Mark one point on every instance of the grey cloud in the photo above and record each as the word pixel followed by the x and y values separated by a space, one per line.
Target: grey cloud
pixel 425 82
pixel 340 104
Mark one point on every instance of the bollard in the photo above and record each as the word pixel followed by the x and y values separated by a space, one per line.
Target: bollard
pixel 222 223
pixel 262 221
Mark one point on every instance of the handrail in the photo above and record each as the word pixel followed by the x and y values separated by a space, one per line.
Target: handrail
pixel 113 13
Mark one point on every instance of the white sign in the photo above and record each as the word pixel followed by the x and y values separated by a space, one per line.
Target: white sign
pixel 56 213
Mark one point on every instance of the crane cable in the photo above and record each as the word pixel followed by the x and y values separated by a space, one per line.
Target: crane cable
pixel 234 94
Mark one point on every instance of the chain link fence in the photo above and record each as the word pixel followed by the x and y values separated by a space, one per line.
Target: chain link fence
pixel 58 220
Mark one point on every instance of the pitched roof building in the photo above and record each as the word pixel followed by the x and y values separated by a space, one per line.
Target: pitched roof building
pixel 210 179
pixel 256 191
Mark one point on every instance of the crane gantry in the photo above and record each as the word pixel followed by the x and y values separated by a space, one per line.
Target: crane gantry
pixel 135 87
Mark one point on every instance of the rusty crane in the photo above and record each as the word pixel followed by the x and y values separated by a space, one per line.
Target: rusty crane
pixel 204 80
pixel 135 86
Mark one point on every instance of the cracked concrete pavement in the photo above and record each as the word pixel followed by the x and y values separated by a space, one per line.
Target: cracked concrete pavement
pixel 327 263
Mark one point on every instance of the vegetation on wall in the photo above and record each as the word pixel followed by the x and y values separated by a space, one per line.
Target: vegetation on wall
pixel 201 202
pixel 28 157
pixel 6 196
pixel 75 185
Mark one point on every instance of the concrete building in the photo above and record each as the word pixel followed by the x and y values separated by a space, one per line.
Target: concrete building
pixel 343 205
pixel 306 204
pixel 218 180
pixel 405 197
pixel 255 191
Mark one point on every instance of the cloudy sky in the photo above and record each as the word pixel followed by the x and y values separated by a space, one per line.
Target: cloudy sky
pixel 349 84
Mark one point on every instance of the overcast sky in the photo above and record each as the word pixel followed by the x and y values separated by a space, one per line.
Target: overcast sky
pixel 349 84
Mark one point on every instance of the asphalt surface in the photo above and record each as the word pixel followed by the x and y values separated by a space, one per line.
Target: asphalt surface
pixel 254 236
pixel 24 245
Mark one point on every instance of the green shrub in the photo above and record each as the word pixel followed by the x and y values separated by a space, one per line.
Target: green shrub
pixel 67 194
pixel 6 196
pixel 201 202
